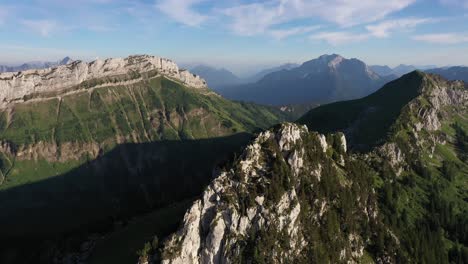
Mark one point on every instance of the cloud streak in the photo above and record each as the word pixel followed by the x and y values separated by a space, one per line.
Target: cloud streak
pixel 284 33
pixel 255 18
pixel 42 27
pixel 385 28
pixel 182 11
pixel 339 37
pixel 443 38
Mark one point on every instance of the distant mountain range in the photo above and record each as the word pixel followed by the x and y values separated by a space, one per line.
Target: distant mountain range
pixel 258 76
pixel 399 70
pixel 35 65
pixel 219 79
pixel 452 73
pixel 325 79
pixel 216 78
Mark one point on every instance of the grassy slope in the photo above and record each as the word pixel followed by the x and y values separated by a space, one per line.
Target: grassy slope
pixel 371 116
pixel 157 110
pixel 174 137
pixel 426 206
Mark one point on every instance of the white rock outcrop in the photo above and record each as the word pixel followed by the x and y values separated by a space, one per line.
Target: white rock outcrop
pixel 215 229
pixel 16 86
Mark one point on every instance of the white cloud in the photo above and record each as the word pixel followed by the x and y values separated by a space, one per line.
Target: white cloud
pixel 338 38
pixel 182 11
pixel 284 33
pixel 383 29
pixel 443 38
pixel 43 27
pixel 251 19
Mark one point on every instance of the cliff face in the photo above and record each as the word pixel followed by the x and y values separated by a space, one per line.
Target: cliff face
pixel 18 86
pixel 286 199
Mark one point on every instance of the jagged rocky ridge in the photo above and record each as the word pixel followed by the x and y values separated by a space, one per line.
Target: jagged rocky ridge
pixel 293 196
pixel 414 133
pixel 20 86
pixel 297 196
pixel 369 121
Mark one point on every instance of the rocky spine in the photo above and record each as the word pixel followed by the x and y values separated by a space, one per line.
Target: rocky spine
pixel 21 86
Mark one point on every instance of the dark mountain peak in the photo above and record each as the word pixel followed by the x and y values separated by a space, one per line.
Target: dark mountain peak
pixel 65 61
pixel 382 70
pixel 321 80
pixel 335 61
pixel 369 120
pixel 216 77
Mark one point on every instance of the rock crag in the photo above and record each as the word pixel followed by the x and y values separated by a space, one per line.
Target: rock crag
pixel 22 86
pixel 271 203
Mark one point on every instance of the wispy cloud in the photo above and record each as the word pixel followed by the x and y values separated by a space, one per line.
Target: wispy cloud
pixel 444 38
pixel 339 37
pixel 42 27
pixel 251 19
pixel 385 28
pixel 284 33
pixel 182 11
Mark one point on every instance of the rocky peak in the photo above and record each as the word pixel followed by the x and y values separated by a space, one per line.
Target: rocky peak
pixel 436 94
pixel 17 86
pixel 273 192
pixel 65 61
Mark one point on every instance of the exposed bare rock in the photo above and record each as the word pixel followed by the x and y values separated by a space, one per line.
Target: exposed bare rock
pixel 243 205
pixel 395 157
pixel 17 86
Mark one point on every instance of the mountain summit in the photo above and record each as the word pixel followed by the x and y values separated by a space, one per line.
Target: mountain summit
pixel 325 79
pixel 78 75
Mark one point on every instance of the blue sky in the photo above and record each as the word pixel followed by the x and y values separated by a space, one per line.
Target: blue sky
pixel 240 35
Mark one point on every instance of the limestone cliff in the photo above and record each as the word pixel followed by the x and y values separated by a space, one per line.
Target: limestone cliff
pixel 20 86
pixel 286 199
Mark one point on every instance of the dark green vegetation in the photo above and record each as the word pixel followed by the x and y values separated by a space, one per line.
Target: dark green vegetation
pixel 79 164
pixel 423 194
pixel 122 246
pixel 345 192
pixel 367 120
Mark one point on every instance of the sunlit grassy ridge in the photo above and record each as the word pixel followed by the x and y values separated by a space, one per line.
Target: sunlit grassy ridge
pixel 426 203
pixel 90 157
